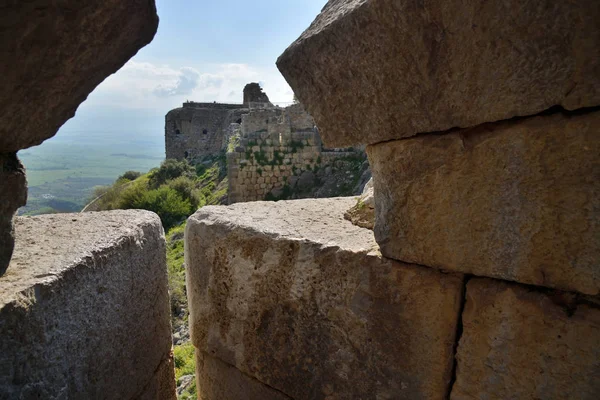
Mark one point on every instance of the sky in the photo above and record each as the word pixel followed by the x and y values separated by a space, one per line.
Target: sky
pixel 203 51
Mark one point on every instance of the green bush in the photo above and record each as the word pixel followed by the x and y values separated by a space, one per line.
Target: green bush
pixel 186 189
pixel 129 176
pixel 170 169
pixel 170 206
pixel 183 356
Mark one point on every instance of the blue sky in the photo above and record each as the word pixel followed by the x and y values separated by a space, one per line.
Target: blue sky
pixel 203 51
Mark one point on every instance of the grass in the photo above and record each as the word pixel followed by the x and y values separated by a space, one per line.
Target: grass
pixel 185 364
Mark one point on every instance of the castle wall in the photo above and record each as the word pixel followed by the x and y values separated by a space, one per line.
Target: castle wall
pixel 84 309
pixel 279 153
pixel 197 129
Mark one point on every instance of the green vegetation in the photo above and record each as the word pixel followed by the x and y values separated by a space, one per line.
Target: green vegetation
pixel 183 356
pixel 296 144
pixel 261 157
pixel 62 172
pixel 174 191
pixel 176 270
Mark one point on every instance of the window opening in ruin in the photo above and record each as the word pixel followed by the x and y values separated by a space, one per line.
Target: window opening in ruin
pixel 204 131
pixel 239 121
pixel 177 132
pixel 185 155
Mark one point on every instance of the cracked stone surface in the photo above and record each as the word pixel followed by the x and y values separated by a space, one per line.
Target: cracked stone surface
pixel 218 380
pixel 84 309
pixel 369 71
pixel 517 200
pixel 521 343
pixel 56 54
pixel 295 296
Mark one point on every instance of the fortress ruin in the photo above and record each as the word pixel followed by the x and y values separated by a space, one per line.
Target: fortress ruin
pixel 272 151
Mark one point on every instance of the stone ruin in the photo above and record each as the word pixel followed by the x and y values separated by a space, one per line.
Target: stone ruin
pixel 254 95
pixel 480 278
pixel 272 151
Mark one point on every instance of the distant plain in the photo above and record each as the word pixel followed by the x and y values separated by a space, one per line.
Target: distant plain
pixel 63 171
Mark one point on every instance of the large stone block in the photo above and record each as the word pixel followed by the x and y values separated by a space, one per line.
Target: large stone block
pixel 13 194
pixel 517 200
pixel 84 309
pixel 375 70
pixel 55 53
pixel 295 296
pixel 519 343
pixel 217 380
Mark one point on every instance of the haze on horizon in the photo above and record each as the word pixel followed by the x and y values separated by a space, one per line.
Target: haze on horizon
pixel 203 51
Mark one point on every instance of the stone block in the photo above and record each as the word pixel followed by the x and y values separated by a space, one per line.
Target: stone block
pixel 217 380
pixel 370 71
pixel 293 295
pixel 519 343
pixel 84 309
pixel 517 200
pixel 40 93
pixel 13 194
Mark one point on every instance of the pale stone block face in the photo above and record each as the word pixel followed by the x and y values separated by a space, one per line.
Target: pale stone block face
pixel 295 296
pixel 383 70
pixel 217 380
pixel 517 200
pixel 84 309
pixel 519 343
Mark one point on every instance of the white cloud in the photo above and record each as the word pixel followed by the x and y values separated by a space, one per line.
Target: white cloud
pixel 187 80
pixel 143 85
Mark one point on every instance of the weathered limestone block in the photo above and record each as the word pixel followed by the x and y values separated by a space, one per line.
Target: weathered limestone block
pixel 388 69
pixel 293 295
pixel 518 343
pixel 220 381
pixel 88 41
pixel 517 200
pixel 13 194
pixel 84 309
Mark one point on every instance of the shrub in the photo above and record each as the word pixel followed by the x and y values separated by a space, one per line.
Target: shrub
pixel 183 357
pixel 186 189
pixel 129 176
pixel 170 169
pixel 170 206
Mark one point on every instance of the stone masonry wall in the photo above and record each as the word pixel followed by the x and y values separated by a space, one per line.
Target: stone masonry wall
pixel 197 129
pixel 84 309
pixel 274 149
pixel 493 176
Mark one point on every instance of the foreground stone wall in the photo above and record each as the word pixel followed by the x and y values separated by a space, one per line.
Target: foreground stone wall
pixel 461 185
pixel 84 309
pixel 289 300
pixel 370 71
pixel 298 299
pixel 87 42
pixel 516 200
